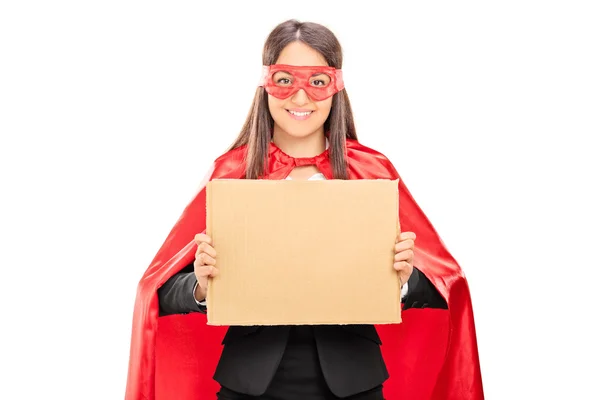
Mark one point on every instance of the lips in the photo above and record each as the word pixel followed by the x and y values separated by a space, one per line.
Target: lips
pixel 300 115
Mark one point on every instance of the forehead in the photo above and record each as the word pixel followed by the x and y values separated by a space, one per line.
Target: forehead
pixel 299 53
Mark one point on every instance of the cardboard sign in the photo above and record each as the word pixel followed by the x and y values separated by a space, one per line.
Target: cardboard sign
pixel 294 252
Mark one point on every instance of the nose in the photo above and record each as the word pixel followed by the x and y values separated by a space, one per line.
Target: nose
pixel 300 98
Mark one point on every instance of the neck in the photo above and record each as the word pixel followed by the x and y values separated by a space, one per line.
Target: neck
pixel 308 146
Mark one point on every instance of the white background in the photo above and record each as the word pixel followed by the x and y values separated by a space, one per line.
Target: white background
pixel 112 112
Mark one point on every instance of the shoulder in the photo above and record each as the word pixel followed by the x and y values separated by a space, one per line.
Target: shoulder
pixel 231 164
pixel 379 163
pixel 237 153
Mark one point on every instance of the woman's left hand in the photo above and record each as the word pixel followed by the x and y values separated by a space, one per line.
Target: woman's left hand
pixel 403 260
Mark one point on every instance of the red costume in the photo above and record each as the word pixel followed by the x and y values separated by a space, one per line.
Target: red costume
pixel 319 82
pixel 432 354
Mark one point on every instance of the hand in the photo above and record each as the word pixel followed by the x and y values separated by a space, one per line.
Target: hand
pixel 403 260
pixel 204 265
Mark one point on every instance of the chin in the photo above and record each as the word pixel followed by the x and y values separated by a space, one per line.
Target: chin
pixel 297 132
pixel 299 129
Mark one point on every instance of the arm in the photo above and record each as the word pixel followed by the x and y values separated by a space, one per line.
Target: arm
pixel 422 293
pixel 176 296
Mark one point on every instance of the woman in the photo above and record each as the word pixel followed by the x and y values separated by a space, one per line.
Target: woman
pixel 300 127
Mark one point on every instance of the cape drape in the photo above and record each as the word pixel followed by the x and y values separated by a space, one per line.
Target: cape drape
pixel 432 354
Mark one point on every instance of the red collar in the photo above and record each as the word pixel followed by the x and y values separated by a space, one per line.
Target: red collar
pixel 281 164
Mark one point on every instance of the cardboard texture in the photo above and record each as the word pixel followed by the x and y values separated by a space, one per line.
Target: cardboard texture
pixel 294 252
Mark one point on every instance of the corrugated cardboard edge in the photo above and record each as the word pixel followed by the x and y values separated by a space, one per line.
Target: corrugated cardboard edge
pixel 398 230
pixel 209 222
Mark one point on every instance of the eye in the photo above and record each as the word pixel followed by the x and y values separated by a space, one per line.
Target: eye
pixel 283 79
pixel 320 80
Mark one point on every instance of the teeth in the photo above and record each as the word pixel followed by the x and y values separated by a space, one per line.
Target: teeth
pixel 299 114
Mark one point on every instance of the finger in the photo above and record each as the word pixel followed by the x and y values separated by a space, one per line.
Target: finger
pixel 202 237
pixel 406 255
pixel 204 247
pixel 407 235
pixel 206 271
pixel 402 266
pixel 404 245
pixel 199 261
pixel 205 259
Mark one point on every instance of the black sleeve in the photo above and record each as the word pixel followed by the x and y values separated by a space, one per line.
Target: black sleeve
pixel 176 296
pixel 422 293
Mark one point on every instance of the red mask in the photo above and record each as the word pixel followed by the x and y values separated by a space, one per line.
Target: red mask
pixel 319 83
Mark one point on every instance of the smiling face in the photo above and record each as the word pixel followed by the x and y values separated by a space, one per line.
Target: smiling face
pixel 299 115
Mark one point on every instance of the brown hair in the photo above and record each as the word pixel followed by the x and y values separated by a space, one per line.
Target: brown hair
pixel 257 130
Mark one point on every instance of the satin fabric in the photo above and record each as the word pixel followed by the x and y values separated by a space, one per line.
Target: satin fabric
pixel 432 354
pixel 300 79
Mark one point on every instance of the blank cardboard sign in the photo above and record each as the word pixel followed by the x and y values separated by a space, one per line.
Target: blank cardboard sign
pixel 296 252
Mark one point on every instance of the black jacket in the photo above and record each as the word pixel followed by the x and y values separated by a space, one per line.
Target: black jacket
pixel 349 355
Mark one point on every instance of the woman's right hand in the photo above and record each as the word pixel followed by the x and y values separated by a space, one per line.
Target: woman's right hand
pixel 204 265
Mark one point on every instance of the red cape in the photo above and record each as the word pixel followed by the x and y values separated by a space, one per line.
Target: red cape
pixel 432 354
